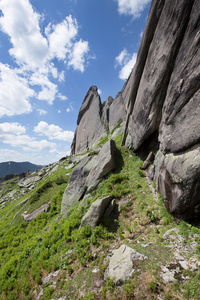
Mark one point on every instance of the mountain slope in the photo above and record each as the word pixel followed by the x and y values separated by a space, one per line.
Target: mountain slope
pixel 51 257
pixel 12 167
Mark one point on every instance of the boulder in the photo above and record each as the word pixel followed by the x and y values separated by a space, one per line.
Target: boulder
pixel 37 212
pixel 87 174
pixel 121 265
pixel 77 184
pixel 28 181
pixel 178 180
pixel 96 211
pixel 105 162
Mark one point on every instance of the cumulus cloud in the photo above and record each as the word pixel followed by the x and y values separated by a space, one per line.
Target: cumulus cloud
pixel 53 132
pixel 35 55
pixel 27 143
pixel 15 93
pixel 126 62
pixel 77 56
pixel 13 134
pixel 21 23
pixel 61 37
pixel 132 7
pixel 11 128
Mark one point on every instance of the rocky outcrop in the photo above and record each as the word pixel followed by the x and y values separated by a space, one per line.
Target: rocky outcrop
pixel 162 96
pixel 88 173
pixel 161 100
pixel 96 120
pixel 89 126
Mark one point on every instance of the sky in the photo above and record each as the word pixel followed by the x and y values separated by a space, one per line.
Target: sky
pixel 51 53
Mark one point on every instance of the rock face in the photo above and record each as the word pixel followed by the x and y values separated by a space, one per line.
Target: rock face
pixel 161 100
pixel 162 97
pixel 95 119
pixel 88 173
pixel 89 126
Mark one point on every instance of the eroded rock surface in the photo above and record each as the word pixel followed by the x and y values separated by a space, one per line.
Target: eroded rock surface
pixel 162 97
pixel 95 119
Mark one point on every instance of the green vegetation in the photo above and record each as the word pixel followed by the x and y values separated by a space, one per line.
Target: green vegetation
pixel 31 251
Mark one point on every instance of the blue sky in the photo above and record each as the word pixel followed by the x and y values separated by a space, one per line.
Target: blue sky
pixel 51 52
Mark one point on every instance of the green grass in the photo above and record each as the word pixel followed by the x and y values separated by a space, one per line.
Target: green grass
pixel 29 251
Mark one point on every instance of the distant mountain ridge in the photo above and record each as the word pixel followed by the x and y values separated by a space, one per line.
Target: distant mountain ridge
pixel 12 167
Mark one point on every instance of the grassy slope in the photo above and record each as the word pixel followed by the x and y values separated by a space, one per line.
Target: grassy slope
pixel 29 252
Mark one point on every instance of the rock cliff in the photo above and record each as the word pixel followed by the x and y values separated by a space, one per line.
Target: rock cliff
pixel 161 101
pixel 162 97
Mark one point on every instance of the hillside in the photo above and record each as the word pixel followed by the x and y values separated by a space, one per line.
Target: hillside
pixel 52 257
pixel 12 167
pixel 119 217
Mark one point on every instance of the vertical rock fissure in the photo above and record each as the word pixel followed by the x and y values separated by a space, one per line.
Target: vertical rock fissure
pixel 155 12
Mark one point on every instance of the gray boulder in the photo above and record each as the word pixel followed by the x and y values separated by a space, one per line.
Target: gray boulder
pixel 121 265
pixel 87 174
pixel 37 212
pixel 104 163
pixel 178 180
pixel 96 211
pixel 77 184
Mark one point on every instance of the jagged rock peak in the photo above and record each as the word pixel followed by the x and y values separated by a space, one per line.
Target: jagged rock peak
pixel 91 94
pixel 95 119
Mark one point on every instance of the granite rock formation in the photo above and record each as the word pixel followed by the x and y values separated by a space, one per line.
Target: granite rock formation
pixel 161 101
pixel 162 97
pixel 96 120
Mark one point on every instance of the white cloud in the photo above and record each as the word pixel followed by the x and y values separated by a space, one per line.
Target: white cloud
pixel 53 132
pixel 132 7
pixel 34 53
pixel 13 134
pixel 11 128
pixel 15 93
pixel 42 112
pixel 61 76
pixel 122 57
pixel 61 36
pixel 61 97
pixel 77 56
pixel 126 62
pixel 26 142
pixel 49 89
pixel 21 23
pixel 70 108
pixel 99 91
